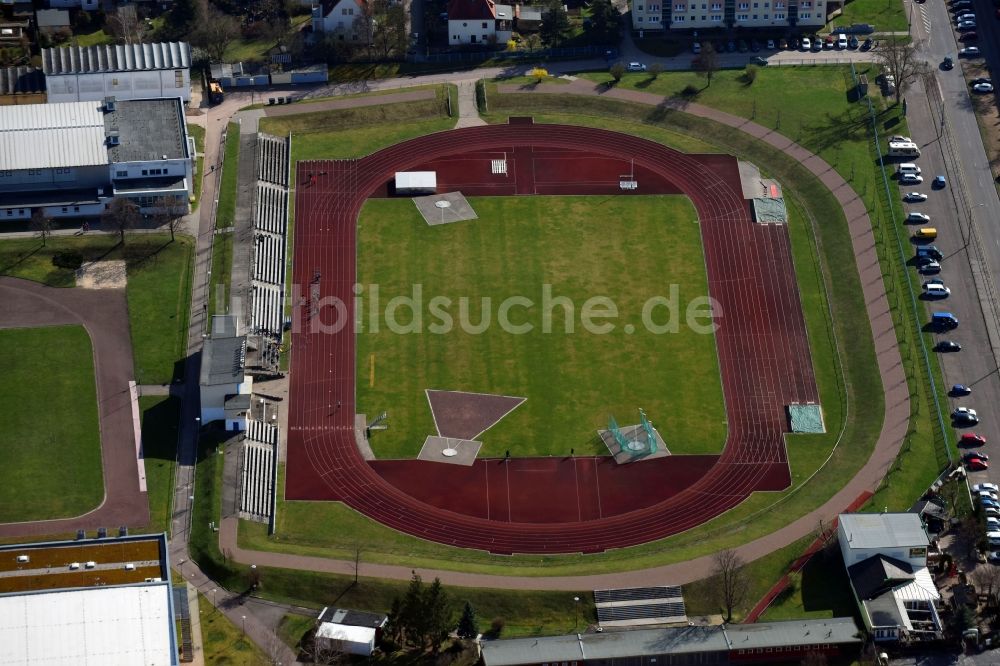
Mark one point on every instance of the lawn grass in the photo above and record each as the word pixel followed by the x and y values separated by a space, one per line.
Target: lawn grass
pixel 338 120
pixel 885 15
pixel 362 141
pixel 222 266
pixel 222 641
pixel 158 291
pixel 160 420
pixel 821 590
pixel 95 37
pixel 572 374
pixel 198 133
pixel 255 49
pixel 294 627
pixel 225 211
pixel 48 406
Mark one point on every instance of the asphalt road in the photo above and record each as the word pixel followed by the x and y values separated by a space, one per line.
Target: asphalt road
pixel 966 212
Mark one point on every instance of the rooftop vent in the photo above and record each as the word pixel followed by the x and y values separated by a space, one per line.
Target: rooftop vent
pixel 109 105
pixel 113 138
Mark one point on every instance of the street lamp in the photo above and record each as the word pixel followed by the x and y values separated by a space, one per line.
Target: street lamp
pixel 244 625
pixel 576 606
pixel 213 596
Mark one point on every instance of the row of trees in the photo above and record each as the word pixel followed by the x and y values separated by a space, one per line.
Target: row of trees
pixel 422 618
pixel 604 26
pixel 121 216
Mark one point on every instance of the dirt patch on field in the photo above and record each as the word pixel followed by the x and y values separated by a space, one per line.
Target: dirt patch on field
pixel 101 275
pixel 461 415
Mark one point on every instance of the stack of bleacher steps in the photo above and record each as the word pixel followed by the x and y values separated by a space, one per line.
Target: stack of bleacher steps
pixel 640 606
pixel 270 227
pixel 257 471
pixel 182 613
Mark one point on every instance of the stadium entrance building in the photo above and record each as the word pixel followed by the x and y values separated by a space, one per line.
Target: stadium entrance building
pixel 71 160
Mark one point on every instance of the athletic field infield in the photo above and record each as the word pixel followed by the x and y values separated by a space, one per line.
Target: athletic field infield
pixel 542 256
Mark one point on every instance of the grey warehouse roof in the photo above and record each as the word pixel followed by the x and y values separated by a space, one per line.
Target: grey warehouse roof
pixel 116 58
pixel 38 136
pixel 883 530
pixel 352 618
pixel 222 361
pixel 22 79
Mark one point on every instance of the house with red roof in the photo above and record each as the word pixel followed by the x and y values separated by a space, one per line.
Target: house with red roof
pixel 479 22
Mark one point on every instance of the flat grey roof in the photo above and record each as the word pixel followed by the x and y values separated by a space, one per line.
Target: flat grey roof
pixel 671 640
pixel 222 361
pixel 148 129
pixel 39 136
pixel 116 58
pixel 52 18
pixel 883 530
pixel 74 197
pixel 352 618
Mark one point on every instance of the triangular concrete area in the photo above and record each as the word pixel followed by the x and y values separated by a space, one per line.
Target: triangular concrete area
pixel 463 415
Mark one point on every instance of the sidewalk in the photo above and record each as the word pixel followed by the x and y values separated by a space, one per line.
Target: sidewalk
pixel 897 405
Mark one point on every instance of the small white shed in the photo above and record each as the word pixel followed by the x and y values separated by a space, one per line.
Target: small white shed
pixel 416 182
pixel 346 638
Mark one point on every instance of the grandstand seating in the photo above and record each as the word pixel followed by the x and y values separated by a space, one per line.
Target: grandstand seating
pixel 182 613
pixel 257 471
pixel 272 159
pixel 665 612
pixel 270 224
pixel 637 593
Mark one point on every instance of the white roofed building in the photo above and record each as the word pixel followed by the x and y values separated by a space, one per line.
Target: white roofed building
pixel 124 71
pixel 72 159
pixel 349 631
pixel 886 559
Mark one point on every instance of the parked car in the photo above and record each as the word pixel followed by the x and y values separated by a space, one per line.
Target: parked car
pixel 806 44
pixel 972 439
pixel 841 41
pixel 754 46
pixel 959 390
pixel 867 44
pixel 636 67
pixel 987 500
pixel 898 138
pixel 730 46
pixel 991 487
pixel 759 60
pixel 918 218
pixel 930 267
pixel 770 44
pixel 978 465
pixel 947 346
pixel 993 557
pixel 939 182
pixel 969 52
pixel 965 16
pixel 817 46
pixel 696 48
pixel 782 43
pixel 981 79
pixel 936 289
pixel 852 42
pixel 915 196
pixel 743 48
pixel 982 88
pixel 969 37
pixel 965 415
pixel 828 42
pixel 975 454
pixel 991 511
pixel 910 179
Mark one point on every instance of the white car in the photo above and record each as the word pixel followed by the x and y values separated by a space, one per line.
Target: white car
pixel 991 511
pixel 936 289
pixel 930 268
pixel 805 45
pixel 967 26
pixel 636 67
pixel 918 218
pixel 900 139
pixel 841 41
pixel 968 52
pixel 965 16
pixel 770 45
pixel 910 179
pixel 915 196
pixel 989 487
pixel 983 88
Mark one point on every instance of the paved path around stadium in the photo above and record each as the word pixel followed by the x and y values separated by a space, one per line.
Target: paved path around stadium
pixel 104 315
pixel 897 407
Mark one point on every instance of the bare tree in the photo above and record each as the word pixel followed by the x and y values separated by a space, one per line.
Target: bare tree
pixel 121 215
pixel 215 32
pixel 706 64
pixel 899 60
pixel 617 71
pixel 731 583
pixel 986 579
pixel 41 224
pixel 165 214
pixel 126 25
pixel 382 26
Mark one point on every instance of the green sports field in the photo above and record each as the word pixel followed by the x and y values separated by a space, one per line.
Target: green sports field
pixel 51 437
pixel 625 249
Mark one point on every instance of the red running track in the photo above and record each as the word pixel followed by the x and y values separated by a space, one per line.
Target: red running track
pixel 762 345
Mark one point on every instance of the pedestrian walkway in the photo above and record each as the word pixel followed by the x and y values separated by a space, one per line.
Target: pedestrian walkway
pixel 897 401
pixel 468 113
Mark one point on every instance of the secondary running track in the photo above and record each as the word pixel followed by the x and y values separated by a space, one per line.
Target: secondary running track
pixel 762 345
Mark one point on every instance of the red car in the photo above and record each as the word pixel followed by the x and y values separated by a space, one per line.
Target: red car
pixel 977 464
pixel 972 439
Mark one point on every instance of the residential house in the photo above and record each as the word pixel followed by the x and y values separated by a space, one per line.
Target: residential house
pixel 886 559
pixel 728 14
pixel 479 22
pixel 52 20
pixel 12 32
pixel 527 19
pixel 344 18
